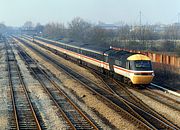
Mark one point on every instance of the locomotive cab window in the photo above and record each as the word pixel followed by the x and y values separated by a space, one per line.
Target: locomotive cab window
pixel 140 65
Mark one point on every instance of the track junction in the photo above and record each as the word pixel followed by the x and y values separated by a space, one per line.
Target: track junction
pixel 113 93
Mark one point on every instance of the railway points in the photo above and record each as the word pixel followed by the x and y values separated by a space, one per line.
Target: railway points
pixel 80 74
pixel 74 116
pixel 119 97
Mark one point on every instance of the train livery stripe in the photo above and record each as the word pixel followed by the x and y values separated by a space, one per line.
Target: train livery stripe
pixel 95 61
pixel 131 71
pixel 107 64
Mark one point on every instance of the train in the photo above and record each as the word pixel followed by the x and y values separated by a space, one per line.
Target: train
pixel 131 68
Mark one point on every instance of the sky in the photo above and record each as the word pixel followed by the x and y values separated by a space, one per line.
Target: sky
pixel 17 12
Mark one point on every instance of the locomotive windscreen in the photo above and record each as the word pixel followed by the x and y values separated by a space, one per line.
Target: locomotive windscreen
pixel 143 65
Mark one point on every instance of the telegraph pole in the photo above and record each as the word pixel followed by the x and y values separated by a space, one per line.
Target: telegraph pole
pixel 178 26
pixel 141 30
pixel 140 14
pixel 140 24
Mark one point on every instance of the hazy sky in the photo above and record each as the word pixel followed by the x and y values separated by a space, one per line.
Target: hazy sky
pixel 16 12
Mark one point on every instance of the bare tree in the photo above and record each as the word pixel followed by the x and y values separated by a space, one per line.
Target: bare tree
pixel 39 28
pixel 79 29
pixel 124 32
pixel 99 36
pixel 130 37
pixel 28 25
pixel 54 30
pixel 3 28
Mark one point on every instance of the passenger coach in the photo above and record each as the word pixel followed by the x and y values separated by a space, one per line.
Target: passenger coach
pixel 133 68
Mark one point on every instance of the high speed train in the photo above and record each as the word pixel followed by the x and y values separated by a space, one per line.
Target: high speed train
pixel 133 68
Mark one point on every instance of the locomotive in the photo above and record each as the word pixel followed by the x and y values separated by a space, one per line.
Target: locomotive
pixel 132 68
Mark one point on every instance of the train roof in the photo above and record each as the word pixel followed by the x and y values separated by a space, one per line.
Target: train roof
pixel 113 52
pixel 96 49
pixel 88 47
pixel 83 46
pixel 120 54
pixel 73 44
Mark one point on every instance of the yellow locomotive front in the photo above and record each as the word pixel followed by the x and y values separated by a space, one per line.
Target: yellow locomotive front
pixel 141 69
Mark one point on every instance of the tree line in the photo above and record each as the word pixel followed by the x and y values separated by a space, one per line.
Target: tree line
pixel 145 37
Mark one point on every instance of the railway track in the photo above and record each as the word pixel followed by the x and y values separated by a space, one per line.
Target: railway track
pixel 118 103
pixel 22 114
pixel 75 118
pixel 121 90
pixel 134 103
pixel 171 91
pixel 161 97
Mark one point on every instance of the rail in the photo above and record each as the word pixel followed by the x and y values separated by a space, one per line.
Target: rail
pixel 119 105
pixel 121 91
pixel 74 116
pixel 166 90
pixel 151 114
pixel 24 114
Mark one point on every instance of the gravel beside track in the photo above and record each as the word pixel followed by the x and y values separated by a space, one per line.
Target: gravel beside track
pixel 90 100
pixel 164 110
pixel 5 102
pixel 85 72
pixel 41 100
pixel 162 97
pixel 75 117
pixel 169 113
pixel 122 91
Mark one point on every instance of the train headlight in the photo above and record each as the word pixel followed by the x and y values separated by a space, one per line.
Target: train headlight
pixel 142 73
pixel 153 74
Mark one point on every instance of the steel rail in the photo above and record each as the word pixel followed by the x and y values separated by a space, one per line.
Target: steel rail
pixel 154 114
pixel 26 95
pixel 137 101
pixel 58 88
pixel 166 90
pixel 95 91
pixel 11 90
pixel 161 97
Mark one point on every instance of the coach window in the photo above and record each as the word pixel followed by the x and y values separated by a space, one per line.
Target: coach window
pixel 127 65
pixel 95 56
pixel 117 62
pixel 84 52
pixel 106 59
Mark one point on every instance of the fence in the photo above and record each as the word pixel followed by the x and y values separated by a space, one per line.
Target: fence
pixel 158 57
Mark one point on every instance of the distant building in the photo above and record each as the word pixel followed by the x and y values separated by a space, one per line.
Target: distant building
pixel 108 26
pixel 160 28
pixel 28 31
